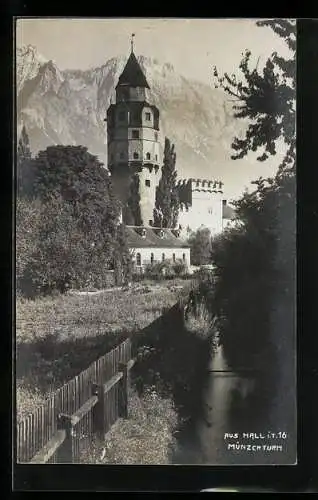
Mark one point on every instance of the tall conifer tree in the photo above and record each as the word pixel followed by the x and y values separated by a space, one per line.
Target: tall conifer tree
pixel 167 200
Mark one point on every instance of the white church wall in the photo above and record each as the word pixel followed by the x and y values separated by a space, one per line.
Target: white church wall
pixel 169 254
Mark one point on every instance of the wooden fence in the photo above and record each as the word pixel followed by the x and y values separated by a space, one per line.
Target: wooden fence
pixel 62 428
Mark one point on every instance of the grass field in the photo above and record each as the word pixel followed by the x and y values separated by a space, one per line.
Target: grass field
pixel 58 337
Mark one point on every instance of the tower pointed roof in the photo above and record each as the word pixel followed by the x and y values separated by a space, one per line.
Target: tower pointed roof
pixel 132 74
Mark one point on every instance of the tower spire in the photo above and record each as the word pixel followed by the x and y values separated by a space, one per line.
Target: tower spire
pixel 132 42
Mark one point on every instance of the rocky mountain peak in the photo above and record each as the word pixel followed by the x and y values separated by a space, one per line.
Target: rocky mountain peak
pixel 69 107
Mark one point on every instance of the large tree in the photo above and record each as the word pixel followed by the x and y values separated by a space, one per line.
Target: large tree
pixel 23 158
pixel 167 201
pixel 80 236
pixel 255 264
pixel 201 247
pixel 266 98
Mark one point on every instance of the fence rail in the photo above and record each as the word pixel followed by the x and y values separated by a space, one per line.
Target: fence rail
pixel 61 429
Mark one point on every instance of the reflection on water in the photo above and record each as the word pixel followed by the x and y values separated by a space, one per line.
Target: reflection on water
pixel 224 397
pixel 234 403
pixel 226 409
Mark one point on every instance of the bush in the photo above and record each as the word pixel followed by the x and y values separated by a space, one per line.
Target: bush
pixel 28 223
pixel 201 247
pixel 55 253
pixel 173 356
pixel 166 269
pixel 73 236
pixel 180 268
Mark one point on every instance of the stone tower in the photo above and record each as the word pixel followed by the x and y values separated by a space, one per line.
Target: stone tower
pixel 134 151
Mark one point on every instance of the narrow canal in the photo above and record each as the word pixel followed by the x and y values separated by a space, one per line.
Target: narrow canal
pixel 234 426
pixel 223 397
pixel 224 394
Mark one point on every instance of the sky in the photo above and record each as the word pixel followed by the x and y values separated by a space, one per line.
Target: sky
pixel 193 46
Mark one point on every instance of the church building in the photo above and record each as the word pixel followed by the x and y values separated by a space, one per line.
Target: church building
pixel 134 159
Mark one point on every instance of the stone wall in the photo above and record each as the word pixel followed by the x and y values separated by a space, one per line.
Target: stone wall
pixel 201 205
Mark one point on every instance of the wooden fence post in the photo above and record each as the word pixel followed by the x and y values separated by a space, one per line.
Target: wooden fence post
pixel 65 451
pixel 124 388
pixel 98 415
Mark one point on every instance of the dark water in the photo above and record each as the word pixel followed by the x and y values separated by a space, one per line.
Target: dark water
pixel 202 441
pixel 219 403
pixel 229 407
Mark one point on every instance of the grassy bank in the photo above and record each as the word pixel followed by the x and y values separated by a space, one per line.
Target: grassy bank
pixel 173 357
pixel 58 337
pixel 147 437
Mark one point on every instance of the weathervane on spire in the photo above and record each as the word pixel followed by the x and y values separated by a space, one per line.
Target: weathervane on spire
pixel 132 42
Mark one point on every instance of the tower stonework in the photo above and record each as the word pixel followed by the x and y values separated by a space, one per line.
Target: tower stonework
pixel 134 149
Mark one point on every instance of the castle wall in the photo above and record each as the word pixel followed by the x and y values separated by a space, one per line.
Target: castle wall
pixel 201 206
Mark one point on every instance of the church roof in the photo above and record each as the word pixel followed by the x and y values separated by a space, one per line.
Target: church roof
pixel 132 74
pixel 144 237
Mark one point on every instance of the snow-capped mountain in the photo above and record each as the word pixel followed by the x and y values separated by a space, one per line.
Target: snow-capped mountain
pixel 69 107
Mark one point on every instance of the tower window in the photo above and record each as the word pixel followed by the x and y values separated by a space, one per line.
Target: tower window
pixel 136 156
pixel 174 257
pixel 183 257
pixel 156 157
pixel 138 259
pixel 150 222
pixel 147 182
pixel 148 156
pixel 122 116
pixel 163 257
pixel 156 136
pixel 148 117
pixel 135 134
pixel 151 258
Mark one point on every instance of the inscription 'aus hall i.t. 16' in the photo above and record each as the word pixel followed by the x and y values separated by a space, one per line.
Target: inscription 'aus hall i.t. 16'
pixel 250 438
pixel 254 435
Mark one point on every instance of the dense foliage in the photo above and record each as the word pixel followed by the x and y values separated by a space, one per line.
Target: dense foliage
pixel 67 195
pixel 166 269
pixel 200 247
pixel 266 99
pixel 167 201
pixel 23 158
pixel 254 290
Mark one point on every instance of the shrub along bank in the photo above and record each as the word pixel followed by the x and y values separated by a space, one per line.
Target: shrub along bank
pixel 172 357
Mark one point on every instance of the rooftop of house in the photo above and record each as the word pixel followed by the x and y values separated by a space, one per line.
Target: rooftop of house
pixel 146 237
pixel 132 74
